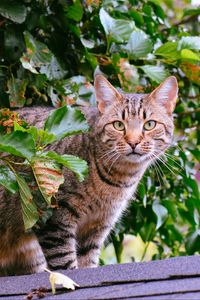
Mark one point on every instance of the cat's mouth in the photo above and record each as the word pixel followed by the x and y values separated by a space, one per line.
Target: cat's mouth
pixel 133 152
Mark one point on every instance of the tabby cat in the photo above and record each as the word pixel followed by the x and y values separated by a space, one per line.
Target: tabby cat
pixel 129 131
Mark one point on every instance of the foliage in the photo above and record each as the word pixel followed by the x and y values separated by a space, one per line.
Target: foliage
pixel 50 52
pixel 29 144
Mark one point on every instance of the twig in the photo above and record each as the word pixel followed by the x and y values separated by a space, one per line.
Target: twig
pixel 192 97
pixel 186 20
pixel 189 112
pixel 181 22
pixel 2 22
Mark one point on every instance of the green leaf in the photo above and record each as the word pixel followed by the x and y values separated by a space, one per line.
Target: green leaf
pixel 189 42
pixel 77 88
pixel 138 46
pixel 39 135
pixel 75 164
pixel 147 231
pixel 29 208
pixel 13 43
pixel 189 55
pixel 13 10
pixel 18 127
pixel 158 9
pixel 75 11
pixel 137 16
pixel 75 29
pixel 193 186
pixel 66 121
pixel 191 11
pixel 172 208
pixel 87 43
pixel 168 50
pixel 91 58
pixel 18 143
pixel 117 30
pixel 32 130
pixel 156 73
pixel 161 213
pixel 8 180
pixel 48 176
pixel 156 2
pixel 44 136
pixel 195 153
pixel 192 242
pixel 16 91
pixel 39 59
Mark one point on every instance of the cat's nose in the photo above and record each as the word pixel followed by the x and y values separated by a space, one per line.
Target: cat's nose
pixel 133 144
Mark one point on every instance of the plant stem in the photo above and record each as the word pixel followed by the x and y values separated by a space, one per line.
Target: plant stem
pixel 190 112
pixel 47 270
pixel 9 165
pixel 145 251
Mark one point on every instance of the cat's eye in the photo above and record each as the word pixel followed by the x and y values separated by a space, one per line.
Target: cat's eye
pixel 118 125
pixel 149 125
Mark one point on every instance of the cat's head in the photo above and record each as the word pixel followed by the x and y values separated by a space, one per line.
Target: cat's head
pixel 138 127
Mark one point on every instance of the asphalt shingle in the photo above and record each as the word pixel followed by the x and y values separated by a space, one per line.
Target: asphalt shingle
pixel 164 279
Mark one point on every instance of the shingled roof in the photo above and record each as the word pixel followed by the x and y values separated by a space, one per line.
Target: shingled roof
pixel 174 278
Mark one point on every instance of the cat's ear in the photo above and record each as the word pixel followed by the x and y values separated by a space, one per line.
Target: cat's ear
pixel 166 94
pixel 105 93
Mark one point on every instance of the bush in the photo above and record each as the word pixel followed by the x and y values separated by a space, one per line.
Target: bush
pixel 50 51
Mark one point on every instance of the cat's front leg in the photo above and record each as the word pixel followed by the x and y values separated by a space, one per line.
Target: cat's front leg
pixel 58 241
pixel 89 245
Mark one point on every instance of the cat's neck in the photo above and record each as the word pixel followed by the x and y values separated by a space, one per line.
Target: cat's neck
pixel 118 172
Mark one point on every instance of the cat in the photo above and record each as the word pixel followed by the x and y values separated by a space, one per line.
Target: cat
pixel 129 131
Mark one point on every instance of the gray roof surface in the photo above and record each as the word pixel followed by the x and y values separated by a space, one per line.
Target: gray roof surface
pixel 174 278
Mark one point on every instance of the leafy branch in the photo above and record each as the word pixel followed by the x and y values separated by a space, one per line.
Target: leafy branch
pixel 27 143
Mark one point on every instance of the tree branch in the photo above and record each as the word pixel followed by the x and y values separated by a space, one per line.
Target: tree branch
pixel 189 112
pixel 183 21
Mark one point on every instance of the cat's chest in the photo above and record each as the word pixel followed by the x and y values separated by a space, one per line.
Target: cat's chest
pixel 106 202
pixel 103 208
pixel 103 200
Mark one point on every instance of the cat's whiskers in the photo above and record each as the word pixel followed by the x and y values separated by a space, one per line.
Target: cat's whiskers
pixel 157 167
pixel 178 147
pixel 176 164
pixel 164 163
pixel 122 150
pixel 106 154
pixel 154 166
pixel 171 155
pixel 114 161
pixel 174 159
pixel 146 150
pixel 108 159
pixel 159 176
pixel 160 171
pixel 164 160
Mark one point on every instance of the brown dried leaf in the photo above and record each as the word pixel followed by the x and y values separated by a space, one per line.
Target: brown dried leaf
pixel 191 71
pixel 127 75
pixel 48 176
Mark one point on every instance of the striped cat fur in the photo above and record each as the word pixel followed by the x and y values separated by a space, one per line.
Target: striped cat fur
pixel 128 132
